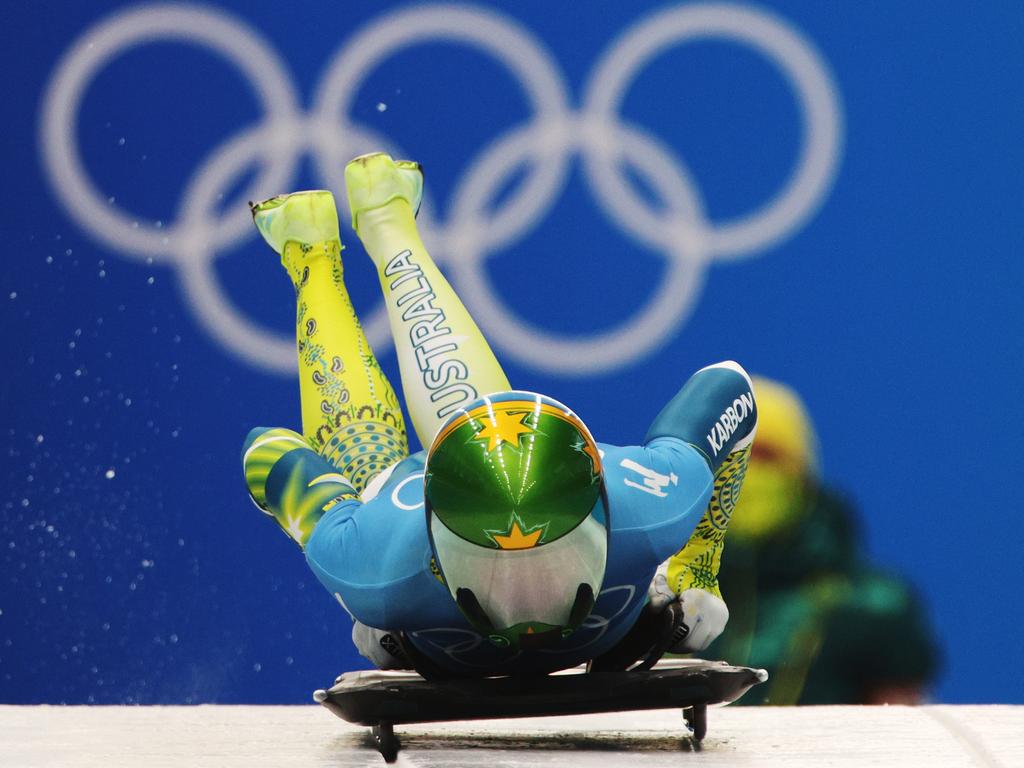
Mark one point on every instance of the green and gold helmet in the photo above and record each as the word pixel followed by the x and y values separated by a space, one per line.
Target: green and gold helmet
pixel 518 517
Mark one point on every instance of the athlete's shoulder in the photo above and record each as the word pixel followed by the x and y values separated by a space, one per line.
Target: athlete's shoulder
pixel 660 478
pixel 664 457
pixel 375 556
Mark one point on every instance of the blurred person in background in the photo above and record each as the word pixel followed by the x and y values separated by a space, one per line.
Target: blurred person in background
pixel 804 602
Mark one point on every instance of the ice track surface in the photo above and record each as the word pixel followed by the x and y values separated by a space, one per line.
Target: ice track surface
pixel 248 736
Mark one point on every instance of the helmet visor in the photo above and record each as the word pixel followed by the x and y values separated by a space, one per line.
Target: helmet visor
pixel 534 585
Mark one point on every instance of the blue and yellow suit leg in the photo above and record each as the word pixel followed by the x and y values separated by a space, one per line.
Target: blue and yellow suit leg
pixel 352 422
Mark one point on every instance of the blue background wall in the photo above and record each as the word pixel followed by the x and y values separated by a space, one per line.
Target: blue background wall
pixel 132 566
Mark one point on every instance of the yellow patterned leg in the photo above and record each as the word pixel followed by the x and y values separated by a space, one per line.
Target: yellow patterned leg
pixel 696 565
pixel 350 413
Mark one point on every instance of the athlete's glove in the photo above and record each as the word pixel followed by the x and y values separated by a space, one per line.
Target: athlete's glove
pixel 704 614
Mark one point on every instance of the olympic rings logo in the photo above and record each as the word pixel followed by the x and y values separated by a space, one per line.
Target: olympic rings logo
pixel 546 145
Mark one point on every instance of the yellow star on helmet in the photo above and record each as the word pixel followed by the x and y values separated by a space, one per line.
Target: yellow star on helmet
pixel 516 539
pixel 502 427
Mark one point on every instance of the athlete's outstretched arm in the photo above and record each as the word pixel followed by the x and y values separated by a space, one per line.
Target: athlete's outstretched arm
pixel 716 413
pixel 373 557
pixel 443 357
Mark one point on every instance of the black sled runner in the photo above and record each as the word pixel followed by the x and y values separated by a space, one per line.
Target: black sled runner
pixel 382 700
pixel 629 678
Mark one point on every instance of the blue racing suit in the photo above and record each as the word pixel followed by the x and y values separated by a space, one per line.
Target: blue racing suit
pixel 372 551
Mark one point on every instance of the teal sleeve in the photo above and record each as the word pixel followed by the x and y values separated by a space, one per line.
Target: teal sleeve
pixel 375 557
pixel 714 411
pixel 656 496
